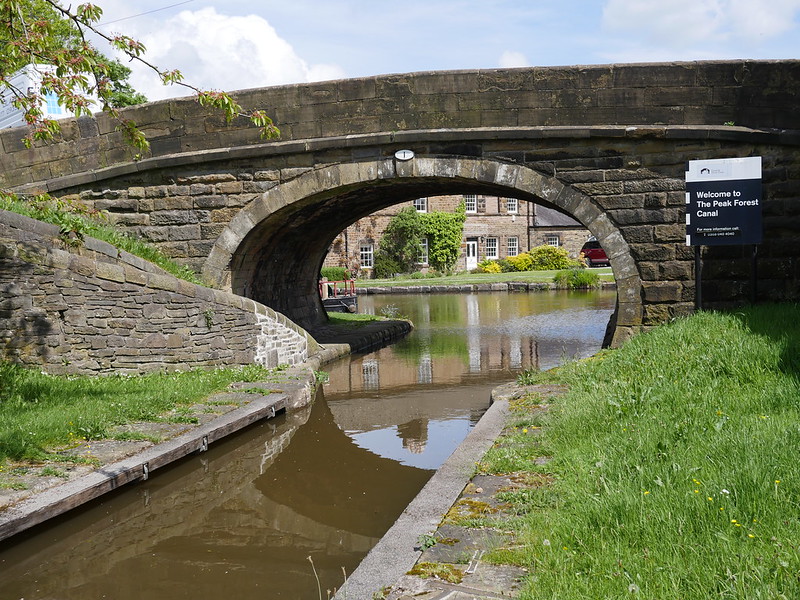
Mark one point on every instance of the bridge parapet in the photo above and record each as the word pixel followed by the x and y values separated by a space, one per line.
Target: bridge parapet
pixel 753 94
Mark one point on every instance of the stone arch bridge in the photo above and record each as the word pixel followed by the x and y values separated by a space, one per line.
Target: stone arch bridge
pixel 605 144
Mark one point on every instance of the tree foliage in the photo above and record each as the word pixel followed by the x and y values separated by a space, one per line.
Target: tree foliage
pixel 445 232
pixel 400 243
pixel 44 32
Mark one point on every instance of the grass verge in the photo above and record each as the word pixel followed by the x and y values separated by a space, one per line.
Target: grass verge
pixel 351 319
pixel 603 273
pixel 41 411
pixel 674 470
pixel 55 212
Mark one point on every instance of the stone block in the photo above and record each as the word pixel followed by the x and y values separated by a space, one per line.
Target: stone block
pixel 173 217
pixel 170 203
pixel 663 291
pixel 110 272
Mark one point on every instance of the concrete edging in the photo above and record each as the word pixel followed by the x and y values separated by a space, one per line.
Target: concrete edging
pixel 62 498
pixel 397 552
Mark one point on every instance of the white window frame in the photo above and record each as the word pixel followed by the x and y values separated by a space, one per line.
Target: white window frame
pixel 552 239
pixel 366 255
pixel 422 256
pixel 493 244
pixel 421 204
pixel 512 206
pixel 512 246
pixel 470 203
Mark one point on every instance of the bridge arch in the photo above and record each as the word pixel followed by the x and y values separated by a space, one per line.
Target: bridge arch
pixel 283 236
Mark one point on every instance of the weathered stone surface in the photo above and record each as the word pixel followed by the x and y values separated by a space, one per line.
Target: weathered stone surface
pixel 101 316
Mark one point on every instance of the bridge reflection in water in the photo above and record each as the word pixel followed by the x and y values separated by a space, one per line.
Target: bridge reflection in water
pixel 241 519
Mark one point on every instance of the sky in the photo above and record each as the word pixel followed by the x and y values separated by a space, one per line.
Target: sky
pixel 231 45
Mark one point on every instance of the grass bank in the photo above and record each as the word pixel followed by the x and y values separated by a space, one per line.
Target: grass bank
pixel 473 278
pixel 80 224
pixel 39 412
pixel 674 471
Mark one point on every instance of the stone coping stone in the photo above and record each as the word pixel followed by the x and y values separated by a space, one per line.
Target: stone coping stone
pixel 510 286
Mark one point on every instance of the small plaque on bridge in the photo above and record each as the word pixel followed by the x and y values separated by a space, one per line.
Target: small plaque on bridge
pixel 723 202
pixel 404 154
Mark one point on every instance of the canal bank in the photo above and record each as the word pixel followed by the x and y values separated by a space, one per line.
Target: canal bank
pixel 431 551
pixel 390 418
pixel 33 494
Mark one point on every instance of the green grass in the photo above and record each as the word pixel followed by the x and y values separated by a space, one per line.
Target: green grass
pixel 674 470
pixel 472 278
pixel 57 213
pixel 351 319
pixel 39 411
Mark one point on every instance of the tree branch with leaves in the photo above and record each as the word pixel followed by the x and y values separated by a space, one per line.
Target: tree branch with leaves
pixel 43 32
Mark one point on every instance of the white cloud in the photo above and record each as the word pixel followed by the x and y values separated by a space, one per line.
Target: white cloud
pixel 694 29
pixel 222 52
pixel 510 59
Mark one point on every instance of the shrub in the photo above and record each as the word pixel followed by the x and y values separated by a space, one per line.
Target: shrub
pixel 489 266
pixel 505 266
pixel 550 258
pixel 385 267
pixel 335 273
pixel 576 278
pixel 520 262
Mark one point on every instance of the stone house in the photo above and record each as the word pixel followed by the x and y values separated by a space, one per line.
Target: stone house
pixel 495 228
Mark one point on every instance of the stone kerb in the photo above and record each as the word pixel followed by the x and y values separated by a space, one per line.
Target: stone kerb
pixel 92 309
pixel 511 179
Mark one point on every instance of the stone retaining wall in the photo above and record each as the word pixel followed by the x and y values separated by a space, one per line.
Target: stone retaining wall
pixel 91 308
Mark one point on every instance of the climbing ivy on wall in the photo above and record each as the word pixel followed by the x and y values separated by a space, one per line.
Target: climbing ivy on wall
pixel 400 244
pixel 445 232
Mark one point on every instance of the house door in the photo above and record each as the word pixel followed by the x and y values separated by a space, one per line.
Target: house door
pixel 472 253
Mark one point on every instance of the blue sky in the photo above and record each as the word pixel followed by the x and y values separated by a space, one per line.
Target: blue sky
pixel 234 44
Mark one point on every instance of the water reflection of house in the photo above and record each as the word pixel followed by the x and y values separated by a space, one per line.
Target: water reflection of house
pixel 389 369
pixel 495 228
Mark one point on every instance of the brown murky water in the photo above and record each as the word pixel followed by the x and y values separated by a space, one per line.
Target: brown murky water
pixel 241 520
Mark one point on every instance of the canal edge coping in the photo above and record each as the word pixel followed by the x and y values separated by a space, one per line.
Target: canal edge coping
pixel 398 550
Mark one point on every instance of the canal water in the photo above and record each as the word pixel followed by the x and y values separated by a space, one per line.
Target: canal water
pixel 241 520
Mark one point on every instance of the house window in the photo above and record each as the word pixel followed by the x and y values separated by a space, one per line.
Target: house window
pixel 367 255
pixel 552 240
pixel 471 203
pixel 421 204
pixel 422 257
pixel 491 248
pixel 53 107
pixel 513 246
pixel 512 205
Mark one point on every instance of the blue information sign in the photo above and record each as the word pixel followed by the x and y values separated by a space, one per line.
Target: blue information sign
pixel 723 201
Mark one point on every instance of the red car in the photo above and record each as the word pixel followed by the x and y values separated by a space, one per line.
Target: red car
pixel 593 254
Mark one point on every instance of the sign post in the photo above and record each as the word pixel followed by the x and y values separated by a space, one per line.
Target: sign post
pixel 723 207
